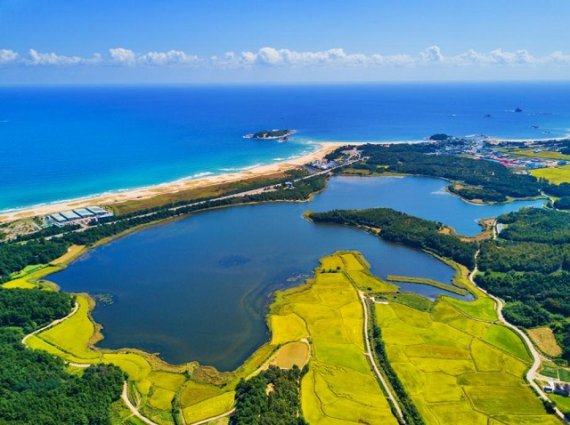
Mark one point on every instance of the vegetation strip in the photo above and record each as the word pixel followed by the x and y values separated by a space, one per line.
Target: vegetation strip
pixel 430 282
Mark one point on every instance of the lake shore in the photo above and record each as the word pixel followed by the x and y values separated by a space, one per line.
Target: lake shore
pixel 116 197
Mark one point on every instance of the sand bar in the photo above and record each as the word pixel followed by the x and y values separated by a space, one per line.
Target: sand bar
pixel 172 187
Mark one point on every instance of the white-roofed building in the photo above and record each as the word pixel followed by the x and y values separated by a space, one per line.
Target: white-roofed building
pixel 83 212
pixel 70 215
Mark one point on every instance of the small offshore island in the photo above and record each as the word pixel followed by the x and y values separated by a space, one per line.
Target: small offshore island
pixel 378 324
pixel 281 135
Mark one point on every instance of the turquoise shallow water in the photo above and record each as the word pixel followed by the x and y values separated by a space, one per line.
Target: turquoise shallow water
pixel 65 142
pixel 197 288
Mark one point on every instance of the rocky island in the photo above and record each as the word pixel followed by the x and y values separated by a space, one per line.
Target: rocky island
pixel 282 135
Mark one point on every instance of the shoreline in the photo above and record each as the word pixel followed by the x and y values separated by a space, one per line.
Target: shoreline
pixel 117 196
pixel 123 195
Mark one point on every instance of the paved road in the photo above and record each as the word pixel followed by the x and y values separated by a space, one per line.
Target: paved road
pixel 220 198
pixel 531 375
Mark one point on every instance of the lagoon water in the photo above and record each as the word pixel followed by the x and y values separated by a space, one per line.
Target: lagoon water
pixel 64 142
pixel 198 288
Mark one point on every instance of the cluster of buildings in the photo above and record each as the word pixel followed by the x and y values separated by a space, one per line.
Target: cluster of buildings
pixel 559 388
pixel 323 164
pixel 76 216
pixel 480 149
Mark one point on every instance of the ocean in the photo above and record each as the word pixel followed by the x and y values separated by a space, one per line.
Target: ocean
pixel 59 143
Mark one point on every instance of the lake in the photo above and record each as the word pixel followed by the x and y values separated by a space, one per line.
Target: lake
pixel 198 288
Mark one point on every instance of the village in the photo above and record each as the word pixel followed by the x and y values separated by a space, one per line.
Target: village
pixel 522 155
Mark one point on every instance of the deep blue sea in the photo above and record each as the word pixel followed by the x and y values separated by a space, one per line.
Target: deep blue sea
pixel 59 143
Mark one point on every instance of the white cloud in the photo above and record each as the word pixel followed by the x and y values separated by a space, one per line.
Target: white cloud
pixel 559 57
pixel 8 56
pixel 38 58
pixel 121 55
pixel 170 57
pixel 271 57
pixel 431 54
pixel 517 57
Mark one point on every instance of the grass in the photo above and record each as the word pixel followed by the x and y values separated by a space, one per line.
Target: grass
pixel 458 369
pixel 543 154
pixel 482 307
pixel 411 300
pixel 555 175
pixel 74 252
pixel 503 337
pixel 339 387
pixel 440 350
pixel 544 339
pixel 286 328
pixel 74 334
pixel 30 276
pixel 557 373
pixel 209 407
pixel 430 282
pixel 161 199
pixel 30 280
pixel 562 402
pixel 325 312
pixel 369 283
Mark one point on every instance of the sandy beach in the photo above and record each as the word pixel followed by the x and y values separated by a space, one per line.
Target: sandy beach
pixel 112 198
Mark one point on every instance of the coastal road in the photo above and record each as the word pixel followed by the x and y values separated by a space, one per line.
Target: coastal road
pixel 531 374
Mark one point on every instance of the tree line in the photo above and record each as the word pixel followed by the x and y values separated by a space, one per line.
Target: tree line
pixel 477 179
pixel 402 228
pixel 34 385
pixel 16 255
pixel 270 398
pixel 529 267
pixel 409 409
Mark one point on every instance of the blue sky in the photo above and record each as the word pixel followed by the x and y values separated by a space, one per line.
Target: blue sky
pixel 130 41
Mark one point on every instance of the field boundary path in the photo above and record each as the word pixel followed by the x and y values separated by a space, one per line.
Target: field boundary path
pixel 368 353
pixel 52 324
pixel 132 407
pixel 531 374
pixel 124 394
pixel 214 418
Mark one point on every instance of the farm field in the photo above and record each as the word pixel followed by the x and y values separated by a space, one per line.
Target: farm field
pixel 330 309
pixel 458 369
pixel 203 391
pixel 555 175
pixel 542 154
pixel 320 321
pixel 544 339
pixel 29 277
pixel 556 373
pixel 458 365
